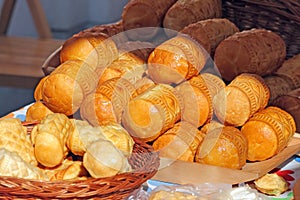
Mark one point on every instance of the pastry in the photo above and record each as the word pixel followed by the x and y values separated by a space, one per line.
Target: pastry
pixel 244 96
pixel 103 159
pixel 184 12
pixel 225 147
pixel 176 60
pixel 139 14
pixel 49 139
pixel 151 113
pixel 37 111
pixel 14 138
pixel 107 103
pixel 210 32
pixel 12 164
pixel 180 142
pixel 95 49
pixel 271 184
pixel 127 66
pixel 268 132
pixel 290 102
pixel 257 51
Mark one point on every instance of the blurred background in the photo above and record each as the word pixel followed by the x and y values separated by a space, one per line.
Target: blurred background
pixel 65 17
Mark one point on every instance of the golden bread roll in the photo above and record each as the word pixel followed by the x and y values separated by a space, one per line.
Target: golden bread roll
pixel 68 170
pixel 210 32
pixel 271 184
pixel 197 104
pixel 184 12
pixel 49 138
pixel 37 111
pixel 117 135
pixel 179 142
pixel 12 164
pixel 107 103
pixel 291 70
pixel 15 139
pixel 83 135
pixel 176 60
pixel 153 112
pixel 96 49
pixel 290 102
pixel 127 66
pixel 225 147
pixel 103 159
pixel 268 133
pixel 139 14
pixel 208 127
pixel 245 95
pixel 257 51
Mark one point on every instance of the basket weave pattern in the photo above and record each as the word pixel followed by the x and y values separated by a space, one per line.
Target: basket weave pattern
pixel 144 161
pixel 279 16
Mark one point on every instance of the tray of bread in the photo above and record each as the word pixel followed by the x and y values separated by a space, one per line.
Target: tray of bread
pixel 183 100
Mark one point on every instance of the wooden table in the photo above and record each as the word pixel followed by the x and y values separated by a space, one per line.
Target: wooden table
pixel 21 60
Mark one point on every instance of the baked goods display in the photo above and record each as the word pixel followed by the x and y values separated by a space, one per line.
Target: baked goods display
pixel 108 90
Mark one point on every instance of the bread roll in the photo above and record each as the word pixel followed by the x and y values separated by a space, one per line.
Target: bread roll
pixel 271 184
pixel 208 127
pixel 103 159
pixel 37 111
pixel 96 49
pixel 49 138
pixel 291 70
pixel 290 102
pixel 244 96
pixel 180 142
pixel 150 114
pixel 144 13
pixel 210 32
pixel 107 103
pixel 268 133
pixel 12 164
pixel 127 66
pixel 197 104
pixel 184 12
pixel 176 60
pixel 14 138
pixel 225 147
pixel 278 86
pixel 257 51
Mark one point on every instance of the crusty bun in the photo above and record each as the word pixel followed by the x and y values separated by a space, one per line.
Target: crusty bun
pixel 184 12
pixel 257 51
pixel 240 99
pixel 225 147
pixel 151 113
pixel 268 132
pixel 210 32
pixel 271 184
pixel 176 60
pixel 96 49
pixel 37 111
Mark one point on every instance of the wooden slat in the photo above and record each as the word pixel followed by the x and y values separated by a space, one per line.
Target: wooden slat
pixel 5 15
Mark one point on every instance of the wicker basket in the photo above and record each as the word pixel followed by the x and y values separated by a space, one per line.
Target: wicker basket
pixel 144 162
pixel 280 16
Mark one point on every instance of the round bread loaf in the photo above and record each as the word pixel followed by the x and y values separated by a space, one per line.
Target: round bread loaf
pixel 96 49
pixel 240 99
pixel 210 32
pixel 180 142
pixel 185 12
pixel 151 113
pixel 176 60
pixel 257 51
pixel 290 102
pixel 37 111
pixel 268 132
pixel 225 147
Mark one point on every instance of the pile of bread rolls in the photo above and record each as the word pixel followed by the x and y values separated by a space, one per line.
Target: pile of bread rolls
pixel 198 90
